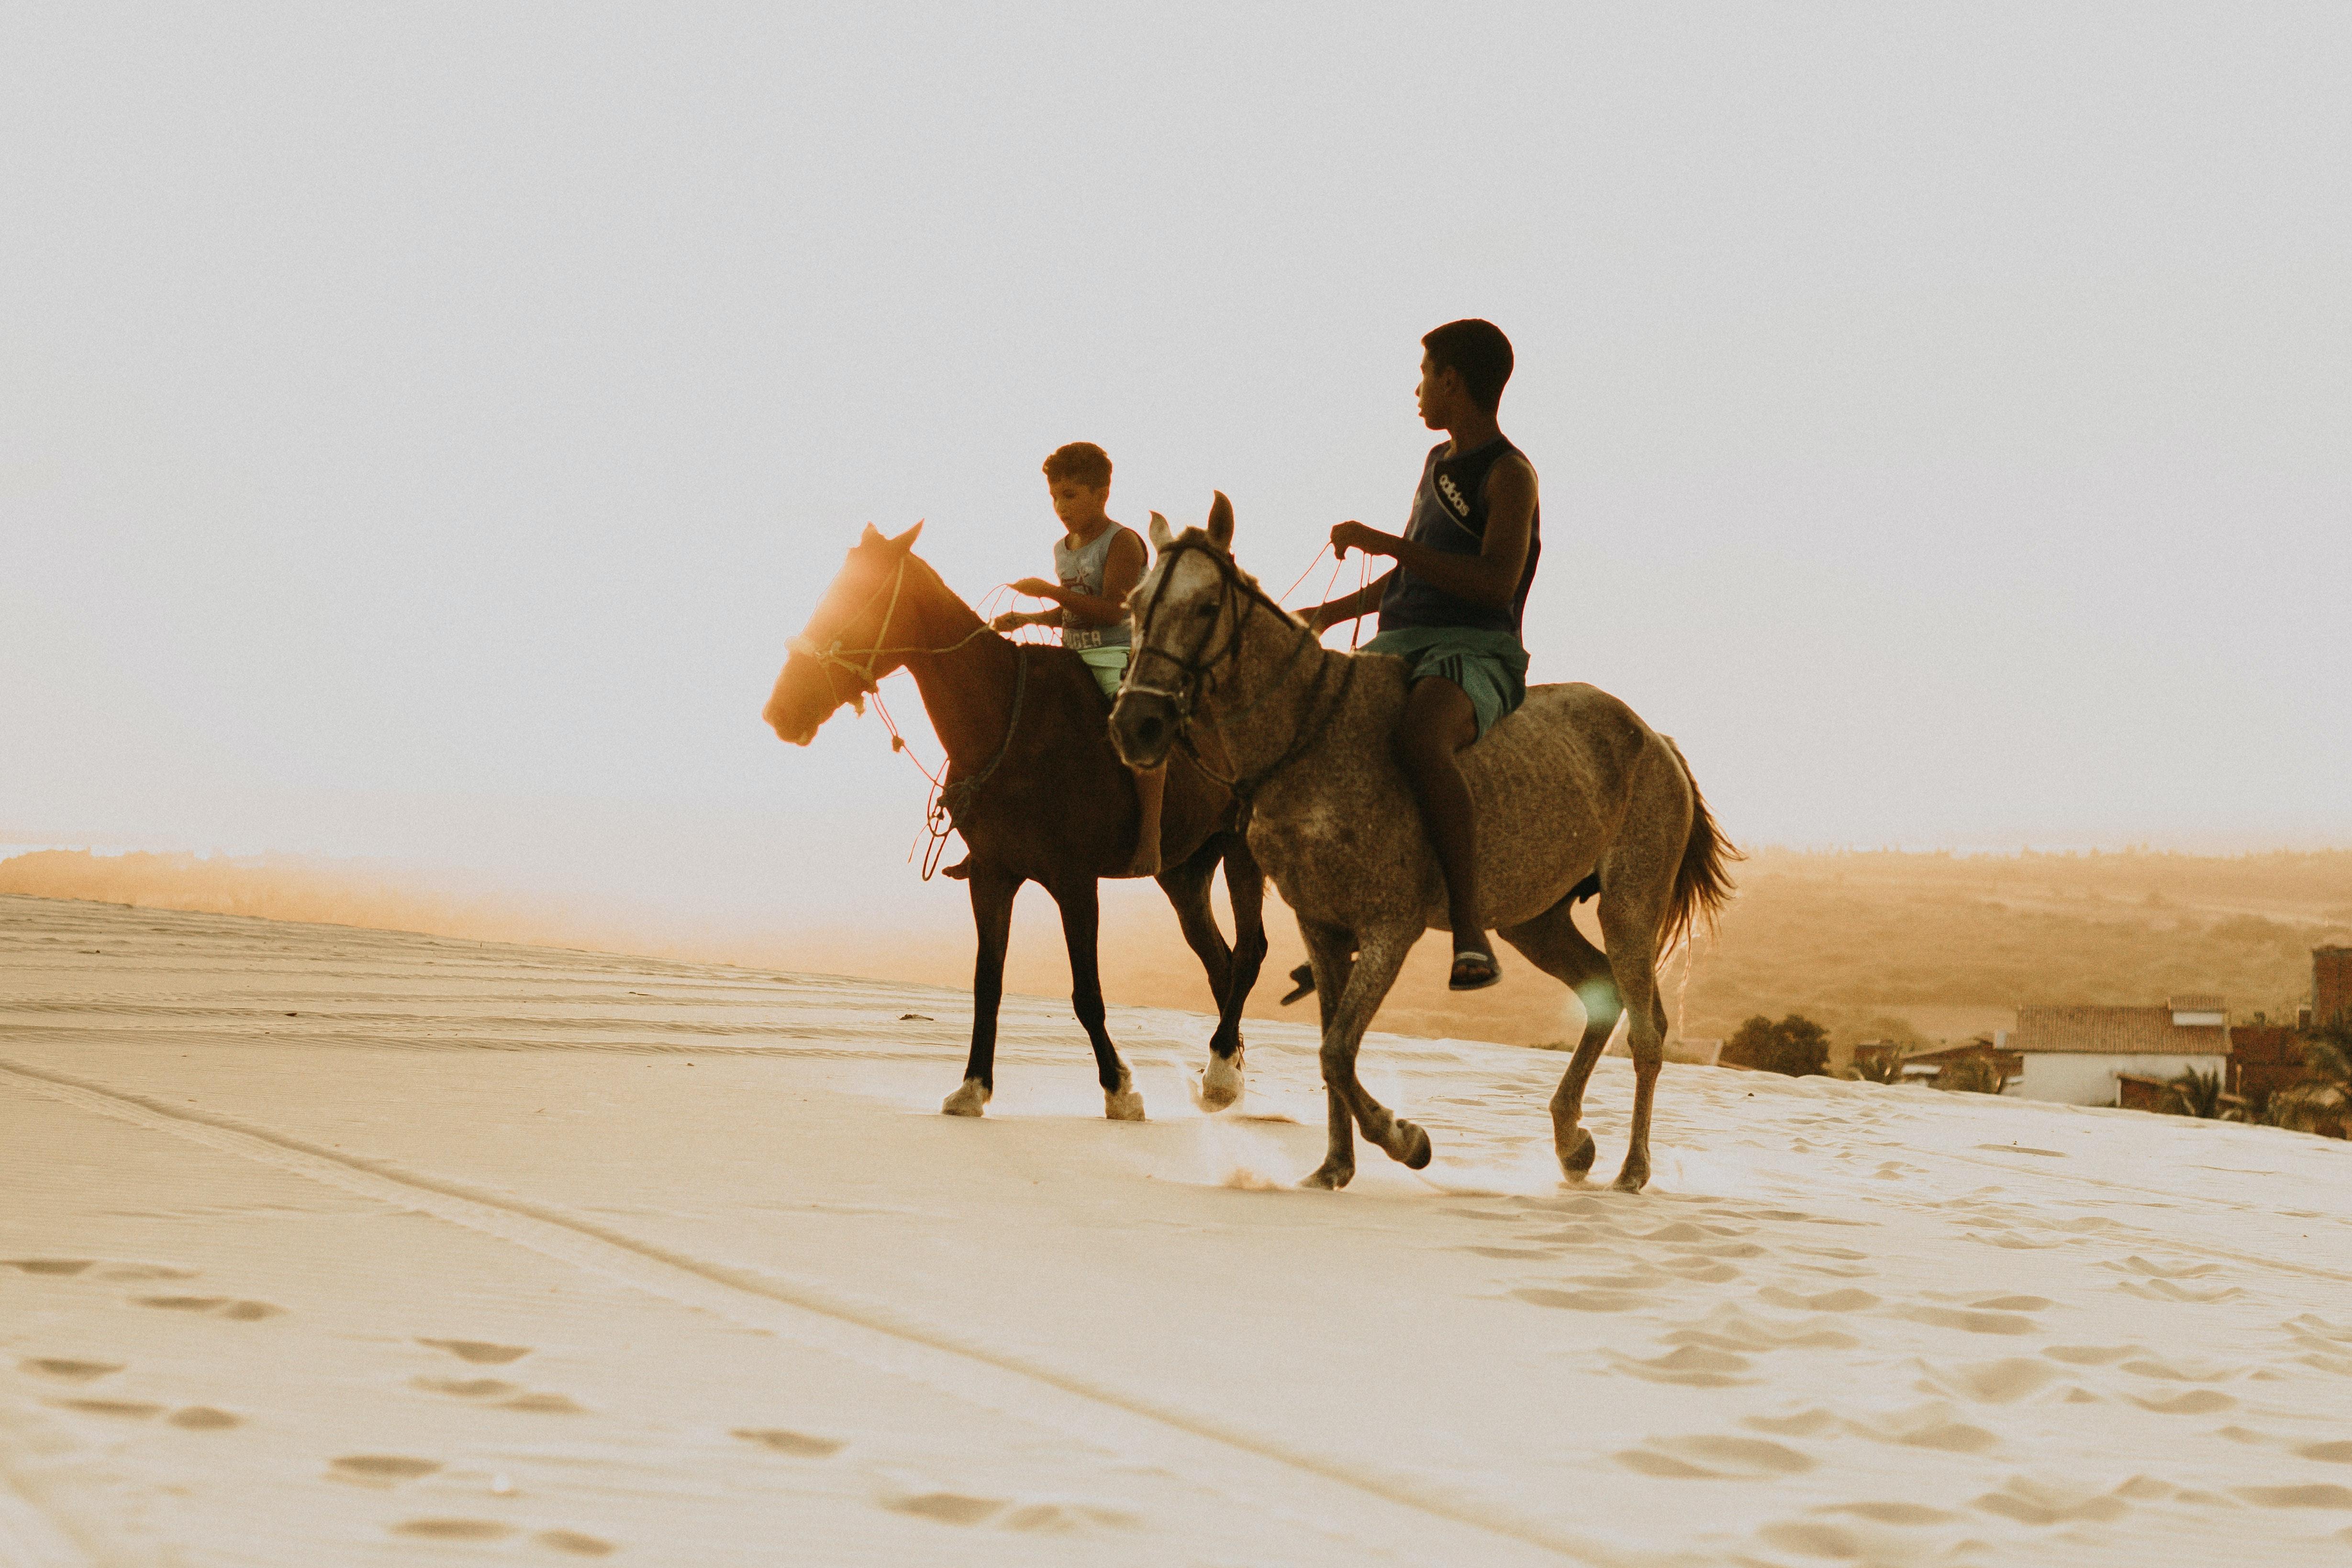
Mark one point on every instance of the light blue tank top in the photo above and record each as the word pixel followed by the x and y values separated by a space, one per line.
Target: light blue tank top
pixel 1081 571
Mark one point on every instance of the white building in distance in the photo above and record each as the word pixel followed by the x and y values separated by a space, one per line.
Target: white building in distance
pixel 2074 1055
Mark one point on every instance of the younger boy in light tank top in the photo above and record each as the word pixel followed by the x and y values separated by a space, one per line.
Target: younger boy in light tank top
pixel 1099 563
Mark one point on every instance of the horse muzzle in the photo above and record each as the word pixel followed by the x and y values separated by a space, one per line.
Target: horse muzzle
pixel 1143 726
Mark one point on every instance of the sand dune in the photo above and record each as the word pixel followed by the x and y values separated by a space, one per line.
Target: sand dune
pixel 327 1246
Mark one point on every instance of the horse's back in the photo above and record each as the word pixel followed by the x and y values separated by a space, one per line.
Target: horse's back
pixel 1565 731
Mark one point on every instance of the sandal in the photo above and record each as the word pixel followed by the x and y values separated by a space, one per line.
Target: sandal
pixel 1473 971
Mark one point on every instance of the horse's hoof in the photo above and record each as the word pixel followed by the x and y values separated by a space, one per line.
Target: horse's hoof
pixel 1123 1104
pixel 1576 1162
pixel 1329 1178
pixel 1417 1146
pixel 1632 1178
pixel 966 1100
pixel 1221 1083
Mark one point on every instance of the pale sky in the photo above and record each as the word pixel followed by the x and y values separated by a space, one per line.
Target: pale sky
pixel 421 426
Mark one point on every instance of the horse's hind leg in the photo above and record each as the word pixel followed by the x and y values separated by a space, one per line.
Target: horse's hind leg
pixel 991 920
pixel 1081 920
pixel 1330 954
pixel 1552 943
pixel 1378 955
pixel 1630 925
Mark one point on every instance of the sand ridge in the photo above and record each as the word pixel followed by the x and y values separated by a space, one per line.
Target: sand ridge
pixel 750 1289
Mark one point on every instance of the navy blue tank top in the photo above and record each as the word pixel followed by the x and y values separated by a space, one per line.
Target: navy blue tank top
pixel 1449 514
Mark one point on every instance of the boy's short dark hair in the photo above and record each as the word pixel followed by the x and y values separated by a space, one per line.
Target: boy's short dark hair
pixel 1082 461
pixel 1478 351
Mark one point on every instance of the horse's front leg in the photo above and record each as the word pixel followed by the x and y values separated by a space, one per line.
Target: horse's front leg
pixel 991 919
pixel 1380 954
pixel 1081 920
pixel 1187 887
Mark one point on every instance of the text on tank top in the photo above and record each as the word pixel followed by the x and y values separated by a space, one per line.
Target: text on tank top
pixel 1081 571
pixel 1449 515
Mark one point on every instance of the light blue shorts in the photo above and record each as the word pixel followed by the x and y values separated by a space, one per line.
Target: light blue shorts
pixel 1107 665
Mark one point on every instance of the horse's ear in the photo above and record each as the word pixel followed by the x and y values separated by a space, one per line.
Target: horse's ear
pixel 1221 523
pixel 1162 536
pixel 906 541
pixel 872 536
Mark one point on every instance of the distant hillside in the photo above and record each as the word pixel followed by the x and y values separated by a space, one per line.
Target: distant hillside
pixel 1883 944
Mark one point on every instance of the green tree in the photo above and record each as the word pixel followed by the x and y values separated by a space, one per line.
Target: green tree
pixel 1796 1046
pixel 2200 1094
pixel 2319 1103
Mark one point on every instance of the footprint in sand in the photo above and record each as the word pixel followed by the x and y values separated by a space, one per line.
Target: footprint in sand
pixel 1929 1425
pixel 1584 1300
pixel 1848 1301
pixel 947 1507
pixel 2002 1382
pixel 1727 1328
pixel 479 1352
pixel 2031 1502
pixel 58 1267
pixel 798 1445
pixel 1969 1322
pixel 573 1542
pixel 204 1418
pixel 1715 1458
pixel 129 1409
pixel 70 1371
pixel 464 1387
pixel 543 1405
pixel 1692 1367
pixel 381 1470
pixel 222 1306
pixel 2323 1494
pixel 454 1529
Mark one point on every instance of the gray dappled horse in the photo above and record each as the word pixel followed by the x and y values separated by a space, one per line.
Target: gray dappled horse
pixel 1571 789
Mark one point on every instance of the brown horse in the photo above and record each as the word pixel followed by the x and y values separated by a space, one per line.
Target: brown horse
pixel 1035 790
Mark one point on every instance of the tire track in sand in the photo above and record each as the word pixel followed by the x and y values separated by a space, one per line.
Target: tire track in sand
pixel 1380 1512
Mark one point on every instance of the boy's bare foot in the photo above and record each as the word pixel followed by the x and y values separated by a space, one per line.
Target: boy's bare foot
pixel 1147 859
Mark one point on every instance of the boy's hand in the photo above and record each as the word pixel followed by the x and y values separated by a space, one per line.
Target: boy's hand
pixel 1013 621
pixel 1038 587
pixel 1348 536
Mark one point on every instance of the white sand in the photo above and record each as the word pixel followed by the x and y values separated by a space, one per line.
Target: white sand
pixel 329 1247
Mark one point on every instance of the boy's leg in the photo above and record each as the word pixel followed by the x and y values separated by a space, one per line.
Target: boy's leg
pixel 1150 783
pixel 1438 723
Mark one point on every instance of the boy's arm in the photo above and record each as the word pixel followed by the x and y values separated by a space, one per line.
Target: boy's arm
pixel 1489 578
pixel 1122 569
pixel 1348 606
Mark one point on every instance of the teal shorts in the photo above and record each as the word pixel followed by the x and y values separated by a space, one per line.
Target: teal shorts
pixel 1107 665
pixel 1490 667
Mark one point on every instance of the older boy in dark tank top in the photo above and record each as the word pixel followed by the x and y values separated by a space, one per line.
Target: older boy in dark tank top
pixel 1451 606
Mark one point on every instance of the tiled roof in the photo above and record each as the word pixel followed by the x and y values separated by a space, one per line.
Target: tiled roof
pixel 2194 1002
pixel 2119 1031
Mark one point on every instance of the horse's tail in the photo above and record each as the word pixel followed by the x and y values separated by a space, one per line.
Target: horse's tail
pixel 1703 880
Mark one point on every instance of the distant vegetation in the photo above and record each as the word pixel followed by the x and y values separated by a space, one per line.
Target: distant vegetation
pixel 1861 942
pixel 1796 1046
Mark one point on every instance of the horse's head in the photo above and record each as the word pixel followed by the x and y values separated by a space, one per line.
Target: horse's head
pixel 846 647
pixel 1187 614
